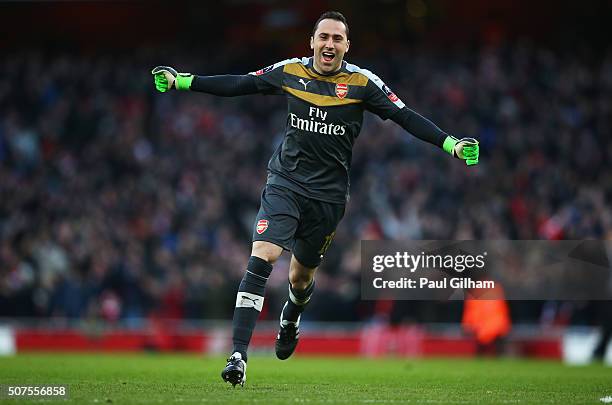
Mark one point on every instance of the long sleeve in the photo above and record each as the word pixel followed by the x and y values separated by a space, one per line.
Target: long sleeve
pixel 383 102
pixel 225 85
pixel 419 126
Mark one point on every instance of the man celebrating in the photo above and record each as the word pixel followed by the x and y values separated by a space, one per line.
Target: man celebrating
pixel 308 174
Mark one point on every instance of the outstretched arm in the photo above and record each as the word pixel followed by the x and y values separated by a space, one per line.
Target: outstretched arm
pixel 167 78
pixel 382 101
pixel 225 85
pixel 419 126
pixel 466 149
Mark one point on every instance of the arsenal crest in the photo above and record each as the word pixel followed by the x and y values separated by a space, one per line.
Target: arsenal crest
pixel 262 225
pixel 341 90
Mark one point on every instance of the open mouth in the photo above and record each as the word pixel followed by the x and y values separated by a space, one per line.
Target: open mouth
pixel 327 56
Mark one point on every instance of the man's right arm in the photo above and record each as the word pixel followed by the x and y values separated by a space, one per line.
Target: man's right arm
pixel 268 80
pixel 167 78
pixel 225 85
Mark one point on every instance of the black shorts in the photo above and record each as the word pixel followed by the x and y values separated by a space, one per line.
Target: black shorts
pixel 297 223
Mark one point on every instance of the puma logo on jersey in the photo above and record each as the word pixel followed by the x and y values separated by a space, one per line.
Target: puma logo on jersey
pixel 305 84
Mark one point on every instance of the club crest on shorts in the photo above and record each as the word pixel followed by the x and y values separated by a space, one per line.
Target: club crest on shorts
pixel 262 225
pixel 341 90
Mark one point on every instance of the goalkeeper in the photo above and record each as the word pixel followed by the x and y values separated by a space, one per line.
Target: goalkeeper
pixel 308 174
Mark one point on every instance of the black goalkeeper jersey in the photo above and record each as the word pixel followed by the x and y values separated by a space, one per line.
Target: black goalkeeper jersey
pixel 324 118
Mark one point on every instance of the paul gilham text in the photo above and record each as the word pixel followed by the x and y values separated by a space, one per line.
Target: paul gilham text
pixel 423 282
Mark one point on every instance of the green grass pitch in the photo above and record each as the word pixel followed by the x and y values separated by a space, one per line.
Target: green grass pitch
pixel 185 379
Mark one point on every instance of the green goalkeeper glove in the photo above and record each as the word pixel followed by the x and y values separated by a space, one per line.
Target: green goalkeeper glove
pixel 167 78
pixel 465 149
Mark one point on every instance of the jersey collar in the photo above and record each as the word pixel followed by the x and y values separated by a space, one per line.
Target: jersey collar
pixel 314 71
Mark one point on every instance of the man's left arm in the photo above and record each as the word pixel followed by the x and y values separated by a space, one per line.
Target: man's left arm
pixel 383 102
pixel 466 148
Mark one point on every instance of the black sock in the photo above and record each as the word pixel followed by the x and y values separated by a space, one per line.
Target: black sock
pixel 298 299
pixel 249 302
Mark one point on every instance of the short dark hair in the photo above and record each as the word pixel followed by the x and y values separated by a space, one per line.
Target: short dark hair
pixel 333 15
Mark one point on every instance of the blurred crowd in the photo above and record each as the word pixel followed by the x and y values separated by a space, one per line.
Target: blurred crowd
pixel 121 203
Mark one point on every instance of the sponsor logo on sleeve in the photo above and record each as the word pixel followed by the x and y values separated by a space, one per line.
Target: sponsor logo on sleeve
pixel 341 90
pixel 262 225
pixel 264 70
pixel 390 94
